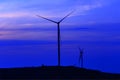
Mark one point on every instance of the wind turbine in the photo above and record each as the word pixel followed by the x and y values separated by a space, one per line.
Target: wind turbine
pixel 81 57
pixel 58 33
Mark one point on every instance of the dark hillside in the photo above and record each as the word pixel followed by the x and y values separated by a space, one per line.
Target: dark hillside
pixel 54 72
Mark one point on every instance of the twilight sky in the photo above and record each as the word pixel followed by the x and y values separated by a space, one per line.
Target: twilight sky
pixel 18 16
pixel 27 40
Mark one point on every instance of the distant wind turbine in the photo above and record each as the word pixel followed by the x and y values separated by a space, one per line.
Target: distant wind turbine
pixel 81 57
pixel 58 25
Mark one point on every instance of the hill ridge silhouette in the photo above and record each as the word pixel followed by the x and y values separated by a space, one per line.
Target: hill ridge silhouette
pixel 54 72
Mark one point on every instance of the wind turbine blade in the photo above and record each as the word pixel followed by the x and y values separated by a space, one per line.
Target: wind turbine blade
pixel 66 16
pixel 47 19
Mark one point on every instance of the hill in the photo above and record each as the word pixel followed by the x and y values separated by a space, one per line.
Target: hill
pixel 55 72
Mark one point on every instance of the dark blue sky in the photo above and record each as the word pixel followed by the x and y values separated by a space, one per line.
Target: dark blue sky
pixel 26 40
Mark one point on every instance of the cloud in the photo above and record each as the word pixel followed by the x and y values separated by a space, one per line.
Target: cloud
pixel 14 15
pixel 21 15
pixel 28 35
pixel 20 9
pixel 84 8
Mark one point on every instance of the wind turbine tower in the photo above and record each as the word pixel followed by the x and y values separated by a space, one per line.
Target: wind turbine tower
pixel 81 57
pixel 58 32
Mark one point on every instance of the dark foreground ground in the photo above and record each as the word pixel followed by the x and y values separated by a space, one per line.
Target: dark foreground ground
pixel 54 72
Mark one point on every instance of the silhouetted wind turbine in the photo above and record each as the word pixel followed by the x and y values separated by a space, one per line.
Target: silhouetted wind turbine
pixel 81 57
pixel 58 25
